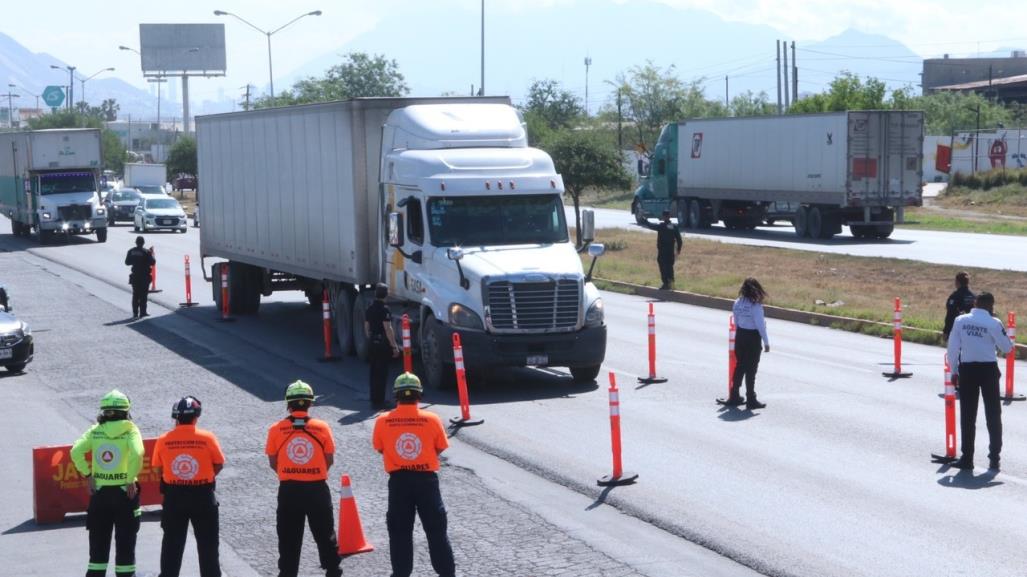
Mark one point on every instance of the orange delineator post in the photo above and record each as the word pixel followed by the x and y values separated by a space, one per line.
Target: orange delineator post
pixel 461 384
pixel 351 531
pixel 897 340
pixel 652 378
pixel 1011 361
pixel 224 295
pixel 950 418
pixel 408 359
pixel 188 286
pixel 618 477
pixel 153 275
pixel 326 327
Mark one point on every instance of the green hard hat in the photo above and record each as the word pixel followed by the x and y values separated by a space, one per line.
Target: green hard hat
pixel 115 401
pixel 299 391
pixel 407 382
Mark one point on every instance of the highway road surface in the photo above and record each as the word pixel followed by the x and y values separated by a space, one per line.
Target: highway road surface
pixel 831 479
pixel 954 248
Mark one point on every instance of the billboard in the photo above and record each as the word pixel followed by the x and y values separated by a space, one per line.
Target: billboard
pixel 175 49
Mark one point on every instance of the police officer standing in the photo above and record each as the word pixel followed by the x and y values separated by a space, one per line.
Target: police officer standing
pixel 117 457
pixel 142 262
pixel 300 449
pixel 960 302
pixel 187 460
pixel 410 440
pixel 972 343
pixel 382 340
pixel 668 247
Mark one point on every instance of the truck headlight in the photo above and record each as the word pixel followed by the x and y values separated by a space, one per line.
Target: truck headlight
pixel 101 211
pixel 47 216
pixel 595 315
pixel 463 317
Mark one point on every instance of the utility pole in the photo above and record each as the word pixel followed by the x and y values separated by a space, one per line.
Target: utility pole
pixel 795 76
pixel 246 105
pixel 10 106
pixel 481 87
pixel 588 62
pixel 787 91
pixel 779 109
pixel 727 101
pixel 620 119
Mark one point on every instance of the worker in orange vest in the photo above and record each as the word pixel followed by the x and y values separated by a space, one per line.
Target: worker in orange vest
pixel 187 460
pixel 410 441
pixel 300 449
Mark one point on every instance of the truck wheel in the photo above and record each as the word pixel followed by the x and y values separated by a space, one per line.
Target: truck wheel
pixel 585 374
pixel 243 288
pixel 802 222
pixel 861 230
pixel 694 214
pixel 101 235
pixel 45 236
pixel 16 367
pixel 342 313
pixel 440 374
pixel 884 230
pixel 361 346
pixel 640 219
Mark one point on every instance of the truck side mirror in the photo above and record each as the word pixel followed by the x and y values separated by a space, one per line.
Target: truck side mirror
pixel 641 167
pixel 595 250
pixel 588 226
pixel 395 229
pixel 454 253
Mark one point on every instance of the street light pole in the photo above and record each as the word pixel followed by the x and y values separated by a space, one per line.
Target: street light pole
pixel 71 82
pixel 588 62
pixel 10 105
pixel 82 98
pixel 481 87
pixel 268 34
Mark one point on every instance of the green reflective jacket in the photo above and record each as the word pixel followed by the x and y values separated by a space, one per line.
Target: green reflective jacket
pixel 117 453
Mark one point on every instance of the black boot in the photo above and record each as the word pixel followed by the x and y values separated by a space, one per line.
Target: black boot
pixel 964 462
pixel 751 402
pixel 734 399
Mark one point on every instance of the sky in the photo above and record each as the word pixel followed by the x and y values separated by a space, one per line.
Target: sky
pixel 87 33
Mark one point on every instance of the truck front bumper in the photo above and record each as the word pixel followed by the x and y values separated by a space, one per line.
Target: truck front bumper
pixel 73 226
pixel 584 348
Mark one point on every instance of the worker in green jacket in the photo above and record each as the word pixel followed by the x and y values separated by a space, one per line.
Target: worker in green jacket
pixel 116 450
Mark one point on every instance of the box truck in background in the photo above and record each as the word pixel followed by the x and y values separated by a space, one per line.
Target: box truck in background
pixel 860 169
pixel 146 178
pixel 440 198
pixel 49 183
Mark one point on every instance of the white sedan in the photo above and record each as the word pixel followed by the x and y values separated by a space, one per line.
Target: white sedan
pixel 159 213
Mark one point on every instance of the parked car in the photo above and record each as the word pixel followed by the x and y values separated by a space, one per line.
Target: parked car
pixel 121 205
pixel 159 212
pixel 184 182
pixel 16 348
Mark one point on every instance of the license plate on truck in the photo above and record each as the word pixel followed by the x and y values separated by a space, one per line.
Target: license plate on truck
pixel 6 353
pixel 538 360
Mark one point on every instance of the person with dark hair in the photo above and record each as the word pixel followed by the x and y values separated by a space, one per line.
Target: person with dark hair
pixel 960 302
pixel 668 247
pixel 142 263
pixel 301 449
pixel 410 440
pixel 382 344
pixel 972 344
pixel 751 329
pixel 116 450
pixel 188 459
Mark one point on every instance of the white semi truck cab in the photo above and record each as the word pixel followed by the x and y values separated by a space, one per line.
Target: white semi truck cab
pixel 479 243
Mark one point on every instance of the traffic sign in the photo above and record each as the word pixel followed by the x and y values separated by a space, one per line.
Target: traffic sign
pixel 53 96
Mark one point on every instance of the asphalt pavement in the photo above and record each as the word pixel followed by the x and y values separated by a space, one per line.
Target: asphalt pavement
pixel 952 248
pixel 503 520
pixel 832 479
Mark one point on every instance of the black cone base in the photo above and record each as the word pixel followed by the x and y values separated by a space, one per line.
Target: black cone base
pixel 942 459
pixel 331 359
pixel 625 478
pixel 188 304
pixel 651 380
pixel 898 375
pixel 458 422
pixel 1014 398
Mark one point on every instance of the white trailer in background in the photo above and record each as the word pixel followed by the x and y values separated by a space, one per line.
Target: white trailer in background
pixel 440 198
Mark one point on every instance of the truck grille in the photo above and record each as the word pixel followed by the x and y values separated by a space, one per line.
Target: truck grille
pixel 75 212
pixel 534 306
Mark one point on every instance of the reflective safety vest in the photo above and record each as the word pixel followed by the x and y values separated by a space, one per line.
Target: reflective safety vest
pixel 187 455
pixel 409 439
pixel 116 453
pixel 300 444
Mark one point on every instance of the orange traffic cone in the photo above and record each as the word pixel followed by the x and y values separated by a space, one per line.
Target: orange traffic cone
pixel 351 532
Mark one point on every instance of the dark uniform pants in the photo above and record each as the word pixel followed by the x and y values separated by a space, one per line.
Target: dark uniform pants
pixel 980 379
pixel 183 505
pixel 110 510
pixel 379 358
pixel 748 349
pixel 140 290
pixel 300 501
pixel 666 262
pixel 411 492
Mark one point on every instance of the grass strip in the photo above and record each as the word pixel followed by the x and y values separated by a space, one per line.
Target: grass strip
pixel 841 285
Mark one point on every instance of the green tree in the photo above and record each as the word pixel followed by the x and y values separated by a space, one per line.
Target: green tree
pixel 751 104
pixel 655 96
pixel 951 112
pixel 846 92
pixel 557 107
pixel 182 157
pixel 585 161
pixel 114 153
pixel 109 109
pixel 359 75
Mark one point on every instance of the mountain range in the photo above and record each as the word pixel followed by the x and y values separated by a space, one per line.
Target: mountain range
pixel 438 52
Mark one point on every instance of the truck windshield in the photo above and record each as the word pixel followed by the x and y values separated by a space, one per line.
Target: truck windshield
pixel 63 182
pixel 496 220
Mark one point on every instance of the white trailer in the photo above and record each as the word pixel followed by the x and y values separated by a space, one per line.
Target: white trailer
pixel 49 183
pixel 145 177
pixel 859 169
pixel 440 198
